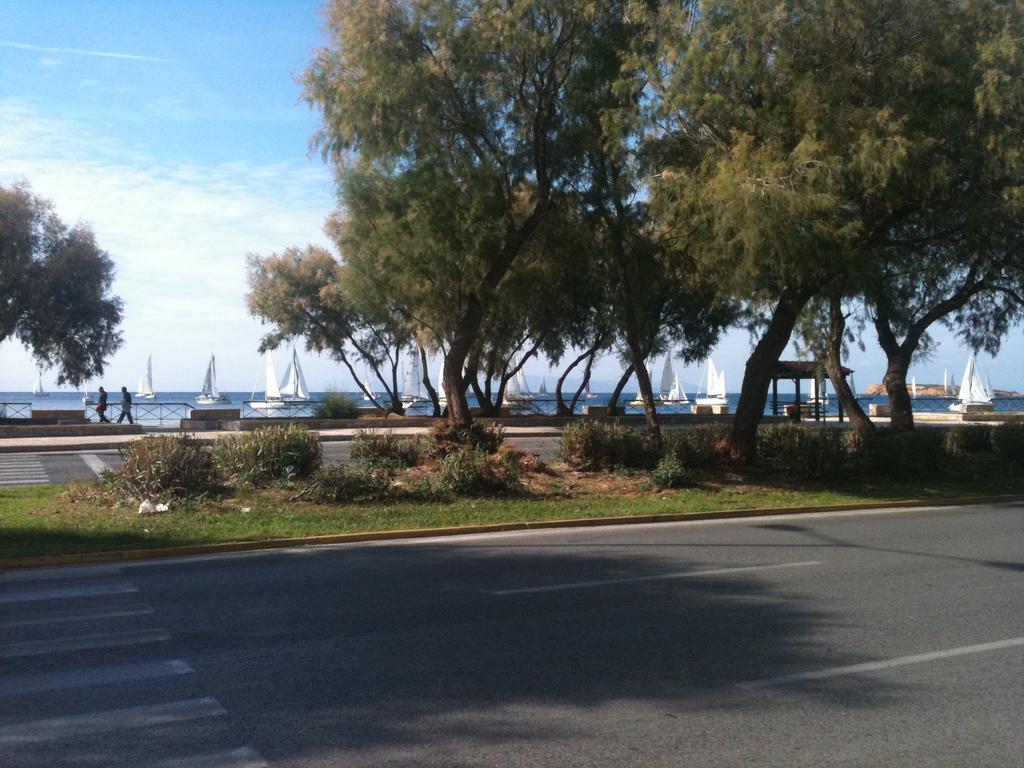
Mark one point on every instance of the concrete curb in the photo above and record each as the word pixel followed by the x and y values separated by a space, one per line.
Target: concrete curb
pixel 467 530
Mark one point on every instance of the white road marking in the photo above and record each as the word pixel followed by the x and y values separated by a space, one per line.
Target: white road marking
pixel 95 463
pixel 657 577
pixel 243 757
pixel 63 572
pixel 84 678
pixel 83 642
pixel 55 728
pixel 22 470
pixel 98 613
pixel 900 661
pixel 64 594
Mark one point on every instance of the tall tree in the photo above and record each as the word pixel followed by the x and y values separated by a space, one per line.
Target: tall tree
pixel 55 288
pixel 468 100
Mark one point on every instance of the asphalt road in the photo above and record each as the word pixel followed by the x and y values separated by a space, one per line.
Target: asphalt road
pixel 850 639
pixel 79 466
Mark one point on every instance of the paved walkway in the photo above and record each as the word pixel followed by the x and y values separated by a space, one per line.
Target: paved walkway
pixel 100 442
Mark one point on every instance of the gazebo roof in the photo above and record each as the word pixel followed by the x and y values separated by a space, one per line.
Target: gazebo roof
pixel 800 369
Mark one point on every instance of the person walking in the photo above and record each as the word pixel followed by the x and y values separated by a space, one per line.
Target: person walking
pixel 101 406
pixel 126 406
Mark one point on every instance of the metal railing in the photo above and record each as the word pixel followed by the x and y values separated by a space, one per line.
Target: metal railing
pixel 144 412
pixel 15 410
pixel 283 409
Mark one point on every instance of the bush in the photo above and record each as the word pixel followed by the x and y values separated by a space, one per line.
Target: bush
pixel 808 452
pixel 597 445
pixel 970 438
pixel 1008 439
pixel 336 405
pixel 340 484
pixel 470 471
pixel 486 436
pixel 671 473
pixel 899 454
pixel 701 446
pixel 164 468
pixel 268 454
pixel 374 447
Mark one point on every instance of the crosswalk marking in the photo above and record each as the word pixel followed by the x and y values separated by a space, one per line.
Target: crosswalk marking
pixel 53 728
pixel 82 642
pixel 95 463
pixel 243 757
pixel 60 572
pixel 97 613
pixel 22 469
pixel 25 596
pixel 84 678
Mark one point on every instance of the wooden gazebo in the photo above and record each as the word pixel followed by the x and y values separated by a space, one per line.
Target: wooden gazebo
pixel 797 371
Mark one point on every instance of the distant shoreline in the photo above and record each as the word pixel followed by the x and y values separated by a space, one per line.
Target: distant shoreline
pixel 937 390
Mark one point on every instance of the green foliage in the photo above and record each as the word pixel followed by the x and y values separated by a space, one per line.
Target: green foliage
pixel 1008 439
pixel 467 471
pixel 336 405
pixel 268 454
pixel 55 288
pixel 596 445
pixel 672 473
pixel 382 446
pixel 899 455
pixel 339 484
pixel 163 468
pixel 968 439
pixel 702 446
pixel 486 436
pixel 806 452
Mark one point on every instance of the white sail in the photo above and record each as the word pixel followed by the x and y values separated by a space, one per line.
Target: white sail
pixel 524 386
pixel 946 389
pixel 676 394
pixel 411 384
pixel 715 393
pixel 146 380
pixel 668 375
pixel 973 390
pixel 37 388
pixel 210 393
pixel 208 387
pixel 543 386
pixel 441 396
pixel 271 391
pixel 913 386
pixel 293 385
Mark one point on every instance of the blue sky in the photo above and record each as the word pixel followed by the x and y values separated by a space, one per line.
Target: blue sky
pixel 176 129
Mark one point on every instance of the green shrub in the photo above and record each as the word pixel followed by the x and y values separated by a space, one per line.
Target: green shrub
pixel 486 436
pixel 469 471
pixel 807 452
pixel 339 484
pixel 596 445
pixel 268 454
pixel 672 473
pixel 382 446
pixel 701 446
pixel 162 469
pixel 967 439
pixel 336 405
pixel 899 454
pixel 1008 439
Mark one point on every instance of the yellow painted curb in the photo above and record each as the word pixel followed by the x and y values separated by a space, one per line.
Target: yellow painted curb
pixel 466 530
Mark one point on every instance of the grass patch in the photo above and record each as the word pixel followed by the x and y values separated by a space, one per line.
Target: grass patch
pixel 58 519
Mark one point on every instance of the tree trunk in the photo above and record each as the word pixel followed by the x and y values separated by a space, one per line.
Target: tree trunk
pixel 426 382
pixel 643 383
pixel 583 384
pixel 454 390
pixel 902 407
pixel 613 401
pixel 834 365
pixel 561 409
pixel 757 375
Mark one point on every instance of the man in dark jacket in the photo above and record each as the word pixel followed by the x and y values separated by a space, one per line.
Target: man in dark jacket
pixel 101 406
pixel 126 406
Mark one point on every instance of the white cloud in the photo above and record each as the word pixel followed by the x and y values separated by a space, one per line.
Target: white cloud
pixel 78 52
pixel 179 234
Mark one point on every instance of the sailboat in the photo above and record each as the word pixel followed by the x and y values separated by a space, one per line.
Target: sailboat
pixel 411 386
pixel 367 386
pixel 145 389
pixel 542 392
pixel 947 388
pixel 291 390
pixel 913 386
pixel 668 376
pixel 87 399
pixel 676 393
pixel 716 387
pixel 442 398
pixel 209 392
pixel 973 391
pixel 37 388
